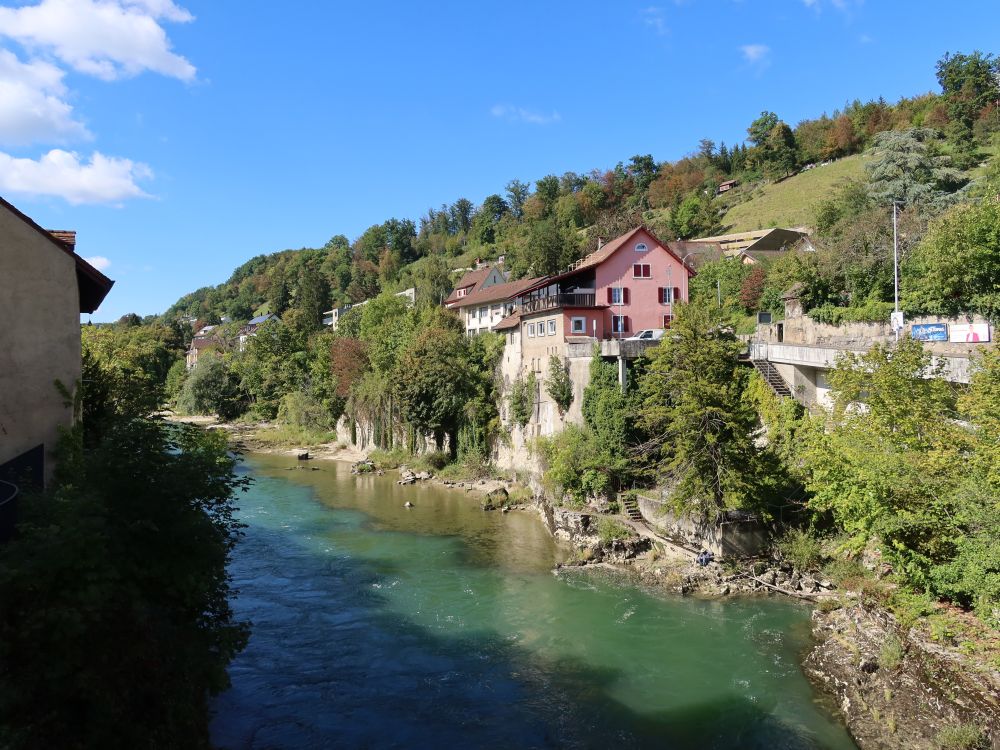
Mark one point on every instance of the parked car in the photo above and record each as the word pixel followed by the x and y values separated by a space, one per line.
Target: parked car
pixel 648 334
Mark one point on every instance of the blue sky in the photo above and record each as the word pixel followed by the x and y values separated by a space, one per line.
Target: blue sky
pixel 182 138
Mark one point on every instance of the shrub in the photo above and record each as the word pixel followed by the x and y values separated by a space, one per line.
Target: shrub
pixel 558 385
pixel 961 737
pixel 609 529
pixel 116 624
pixel 891 654
pixel 801 549
pixel 522 399
pixel 302 410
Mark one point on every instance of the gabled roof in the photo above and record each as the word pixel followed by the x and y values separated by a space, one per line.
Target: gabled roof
pixel 92 284
pixel 496 293
pixel 606 251
pixel 469 281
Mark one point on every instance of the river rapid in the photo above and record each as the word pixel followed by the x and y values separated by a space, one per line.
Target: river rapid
pixel 378 626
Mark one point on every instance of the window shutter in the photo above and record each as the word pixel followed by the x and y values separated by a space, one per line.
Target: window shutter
pixel 609 295
pixel 627 327
pixel 677 294
pixel 662 293
pixel 636 270
pixel 625 295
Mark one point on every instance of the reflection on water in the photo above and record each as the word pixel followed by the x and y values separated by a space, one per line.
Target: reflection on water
pixel 377 626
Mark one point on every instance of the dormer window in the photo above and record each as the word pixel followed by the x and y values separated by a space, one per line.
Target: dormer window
pixel 641 247
pixel 462 292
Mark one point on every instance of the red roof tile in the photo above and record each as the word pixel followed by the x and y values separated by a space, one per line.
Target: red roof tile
pixel 470 279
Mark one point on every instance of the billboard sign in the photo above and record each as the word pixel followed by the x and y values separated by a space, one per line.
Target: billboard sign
pixel 969 333
pixel 929 332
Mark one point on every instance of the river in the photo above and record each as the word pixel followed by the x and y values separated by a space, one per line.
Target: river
pixel 440 625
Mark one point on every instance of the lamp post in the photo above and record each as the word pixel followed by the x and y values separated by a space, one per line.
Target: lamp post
pixel 897 322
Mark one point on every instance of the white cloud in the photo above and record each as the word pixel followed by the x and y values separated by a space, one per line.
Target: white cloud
pixel 108 39
pixel 652 18
pixel 519 114
pixel 32 104
pixel 99 262
pixel 755 54
pixel 102 179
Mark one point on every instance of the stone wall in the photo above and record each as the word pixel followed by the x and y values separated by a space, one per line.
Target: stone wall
pixel 729 538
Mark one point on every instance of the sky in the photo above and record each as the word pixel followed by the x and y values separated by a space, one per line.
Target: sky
pixel 182 138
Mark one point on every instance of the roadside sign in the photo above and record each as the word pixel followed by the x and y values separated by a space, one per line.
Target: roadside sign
pixel 969 333
pixel 929 332
pixel 896 320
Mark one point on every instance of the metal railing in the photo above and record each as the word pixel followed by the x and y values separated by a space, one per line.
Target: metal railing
pixel 558 300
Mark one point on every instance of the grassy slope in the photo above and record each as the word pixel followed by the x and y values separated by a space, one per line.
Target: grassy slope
pixel 792 202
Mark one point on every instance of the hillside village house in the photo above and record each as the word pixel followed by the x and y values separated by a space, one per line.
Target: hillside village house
pixel 45 286
pixel 625 286
pixel 332 317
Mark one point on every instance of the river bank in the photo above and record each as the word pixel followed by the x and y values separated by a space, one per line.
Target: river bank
pixel 888 700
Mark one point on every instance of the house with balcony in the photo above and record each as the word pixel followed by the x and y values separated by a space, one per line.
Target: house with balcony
pixel 44 287
pixel 483 309
pixel 626 285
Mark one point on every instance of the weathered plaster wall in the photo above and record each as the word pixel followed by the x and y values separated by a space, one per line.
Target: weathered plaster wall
pixel 39 339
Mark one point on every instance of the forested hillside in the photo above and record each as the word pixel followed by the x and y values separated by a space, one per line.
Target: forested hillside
pixel 542 226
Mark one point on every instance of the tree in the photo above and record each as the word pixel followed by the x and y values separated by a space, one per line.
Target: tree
pixel 517 194
pixel 694 217
pixel 558 385
pixel 521 399
pixel 752 288
pixel 760 129
pixel 905 167
pixel 780 154
pixel 210 388
pixel 701 429
pixel 888 472
pixel 969 83
pixel 116 625
pixel 433 384
pixel 956 268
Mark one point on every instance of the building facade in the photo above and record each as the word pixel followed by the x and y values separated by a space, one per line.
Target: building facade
pixel 45 286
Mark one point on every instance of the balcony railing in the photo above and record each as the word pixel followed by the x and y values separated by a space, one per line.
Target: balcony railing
pixel 8 510
pixel 558 300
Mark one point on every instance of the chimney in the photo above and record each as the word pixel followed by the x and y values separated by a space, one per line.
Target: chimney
pixel 67 236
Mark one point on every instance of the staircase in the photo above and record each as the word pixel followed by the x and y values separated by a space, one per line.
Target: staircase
pixel 772 377
pixel 630 506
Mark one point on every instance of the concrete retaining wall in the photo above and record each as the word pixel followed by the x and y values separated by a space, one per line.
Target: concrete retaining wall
pixel 724 539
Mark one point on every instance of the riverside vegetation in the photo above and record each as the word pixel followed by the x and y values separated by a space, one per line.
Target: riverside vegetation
pixel 909 482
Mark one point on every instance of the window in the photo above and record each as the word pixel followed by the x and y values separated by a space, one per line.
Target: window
pixel 462 292
pixel 483 312
pixel 552 328
pixel 641 247
pixel 642 271
pixel 619 323
pixel 531 330
pixel 669 295
pixel 578 325
pixel 497 310
pixel 618 295
pixel 668 320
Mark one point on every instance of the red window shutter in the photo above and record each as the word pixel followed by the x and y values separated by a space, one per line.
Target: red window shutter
pixel 636 270
pixel 628 325
pixel 625 295
pixel 609 295
pixel 659 291
pixel 677 294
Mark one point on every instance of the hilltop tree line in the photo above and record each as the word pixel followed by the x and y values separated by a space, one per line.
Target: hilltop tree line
pixel 543 226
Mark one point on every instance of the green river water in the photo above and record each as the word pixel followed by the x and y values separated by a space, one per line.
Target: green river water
pixel 378 626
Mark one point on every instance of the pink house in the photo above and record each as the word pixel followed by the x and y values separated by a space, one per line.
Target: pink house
pixel 627 285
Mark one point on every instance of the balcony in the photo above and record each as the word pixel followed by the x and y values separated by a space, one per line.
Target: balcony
pixel 558 300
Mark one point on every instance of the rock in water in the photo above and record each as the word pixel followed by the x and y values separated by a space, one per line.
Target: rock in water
pixel 304 456
pixel 495 499
pixel 407 504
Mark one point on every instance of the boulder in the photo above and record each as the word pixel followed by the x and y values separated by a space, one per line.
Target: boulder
pixel 303 456
pixel 495 499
